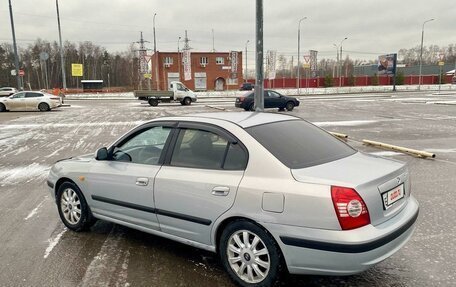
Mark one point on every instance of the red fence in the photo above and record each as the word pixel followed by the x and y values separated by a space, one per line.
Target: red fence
pixel 356 81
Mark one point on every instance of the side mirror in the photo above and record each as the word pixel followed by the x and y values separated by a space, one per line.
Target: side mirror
pixel 101 154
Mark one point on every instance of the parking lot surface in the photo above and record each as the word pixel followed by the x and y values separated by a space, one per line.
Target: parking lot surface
pixel 37 250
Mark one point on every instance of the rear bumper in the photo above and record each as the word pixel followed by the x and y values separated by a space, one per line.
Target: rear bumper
pixel 330 252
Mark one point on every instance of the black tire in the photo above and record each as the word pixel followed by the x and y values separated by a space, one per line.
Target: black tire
pixel 2 108
pixel 86 220
pixel 289 106
pixel 153 102
pixel 187 101
pixel 43 107
pixel 252 107
pixel 267 242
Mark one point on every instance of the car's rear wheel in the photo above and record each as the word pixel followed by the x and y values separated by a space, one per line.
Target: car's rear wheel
pixel 252 107
pixel 153 102
pixel 289 106
pixel 43 107
pixel 249 254
pixel 2 108
pixel 73 209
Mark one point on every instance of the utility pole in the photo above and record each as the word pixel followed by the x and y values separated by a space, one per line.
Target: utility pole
pixel 340 63
pixel 156 57
pixel 259 96
pixel 16 57
pixel 179 58
pixel 213 41
pixel 298 79
pixel 142 60
pixel 62 60
pixel 421 52
pixel 245 76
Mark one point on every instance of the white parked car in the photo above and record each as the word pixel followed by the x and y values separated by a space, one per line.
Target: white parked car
pixel 7 91
pixel 30 101
pixel 267 192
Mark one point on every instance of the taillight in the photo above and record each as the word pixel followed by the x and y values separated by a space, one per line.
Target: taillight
pixel 350 208
pixel 241 99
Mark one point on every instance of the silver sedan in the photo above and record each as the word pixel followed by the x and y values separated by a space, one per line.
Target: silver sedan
pixel 30 101
pixel 267 192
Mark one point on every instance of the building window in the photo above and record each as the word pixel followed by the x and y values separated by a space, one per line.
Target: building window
pixel 220 61
pixel 232 82
pixel 203 61
pixel 168 60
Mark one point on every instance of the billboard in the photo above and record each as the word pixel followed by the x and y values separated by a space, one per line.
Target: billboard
pixel 234 64
pixel 187 59
pixel 271 64
pixel 387 64
pixel 77 70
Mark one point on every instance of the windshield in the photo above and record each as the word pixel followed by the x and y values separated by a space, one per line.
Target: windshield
pixel 299 144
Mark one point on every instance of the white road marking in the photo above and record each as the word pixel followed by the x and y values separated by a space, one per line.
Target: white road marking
pixel 35 210
pixel 53 243
pixel 386 153
pixel 345 123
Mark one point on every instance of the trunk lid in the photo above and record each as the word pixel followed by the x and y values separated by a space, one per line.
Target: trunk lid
pixel 370 176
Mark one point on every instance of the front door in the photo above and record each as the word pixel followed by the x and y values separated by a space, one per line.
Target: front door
pixel 122 187
pixel 17 102
pixel 199 181
pixel 219 84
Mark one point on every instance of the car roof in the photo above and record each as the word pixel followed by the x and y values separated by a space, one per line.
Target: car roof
pixel 245 119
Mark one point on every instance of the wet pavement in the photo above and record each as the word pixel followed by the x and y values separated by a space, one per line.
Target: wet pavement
pixel 37 250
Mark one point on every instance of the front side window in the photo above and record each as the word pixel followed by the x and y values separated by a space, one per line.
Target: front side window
pixel 18 96
pixel 273 94
pixel 143 148
pixel 206 150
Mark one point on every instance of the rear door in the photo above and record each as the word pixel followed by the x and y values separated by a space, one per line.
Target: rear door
pixel 198 181
pixel 32 99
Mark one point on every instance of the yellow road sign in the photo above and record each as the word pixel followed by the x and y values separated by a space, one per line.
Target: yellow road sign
pixel 441 63
pixel 148 76
pixel 77 70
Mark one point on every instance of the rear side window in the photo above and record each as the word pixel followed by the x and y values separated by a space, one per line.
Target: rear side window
pixel 299 144
pixel 33 95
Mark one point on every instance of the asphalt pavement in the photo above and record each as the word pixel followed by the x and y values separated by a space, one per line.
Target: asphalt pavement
pixel 37 250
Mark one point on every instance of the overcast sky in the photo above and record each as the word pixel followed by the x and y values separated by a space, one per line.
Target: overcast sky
pixel 373 27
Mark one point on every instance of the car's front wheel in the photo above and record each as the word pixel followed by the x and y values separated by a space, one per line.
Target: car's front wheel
pixel 289 106
pixel 73 209
pixel 250 255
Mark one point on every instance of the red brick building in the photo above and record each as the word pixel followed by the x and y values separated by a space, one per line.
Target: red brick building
pixel 210 71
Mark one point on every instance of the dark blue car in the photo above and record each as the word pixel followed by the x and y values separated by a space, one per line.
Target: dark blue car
pixel 272 99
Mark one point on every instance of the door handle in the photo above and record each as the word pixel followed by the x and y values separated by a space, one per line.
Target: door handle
pixel 142 181
pixel 220 191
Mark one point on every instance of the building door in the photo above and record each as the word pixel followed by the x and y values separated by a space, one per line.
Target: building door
pixel 220 84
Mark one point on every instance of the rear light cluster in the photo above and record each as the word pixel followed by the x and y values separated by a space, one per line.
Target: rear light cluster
pixel 350 208
pixel 241 99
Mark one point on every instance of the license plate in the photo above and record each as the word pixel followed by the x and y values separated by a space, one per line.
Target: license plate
pixel 392 196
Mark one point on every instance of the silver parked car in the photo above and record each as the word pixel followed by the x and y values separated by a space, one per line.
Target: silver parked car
pixel 7 91
pixel 265 191
pixel 30 101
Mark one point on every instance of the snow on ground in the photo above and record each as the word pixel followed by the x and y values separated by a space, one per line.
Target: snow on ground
pixel 21 174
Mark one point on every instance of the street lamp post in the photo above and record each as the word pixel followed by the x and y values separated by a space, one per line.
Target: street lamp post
pixel 336 66
pixel 178 58
pixel 156 56
pixel 340 65
pixel 245 74
pixel 16 57
pixel 421 52
pixel 298 82
pixel 62 61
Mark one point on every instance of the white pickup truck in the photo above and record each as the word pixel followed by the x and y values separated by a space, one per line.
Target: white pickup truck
pixel 178 93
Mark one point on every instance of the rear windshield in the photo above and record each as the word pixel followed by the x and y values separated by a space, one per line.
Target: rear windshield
pixel 299 144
